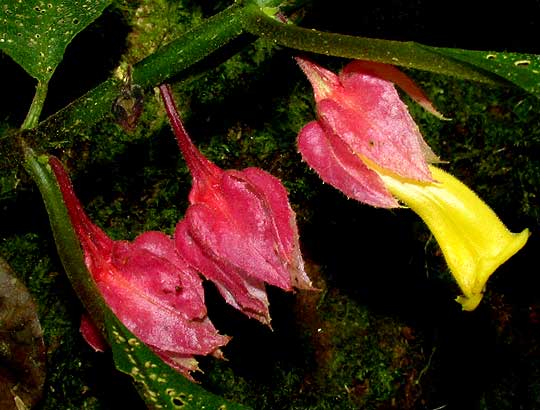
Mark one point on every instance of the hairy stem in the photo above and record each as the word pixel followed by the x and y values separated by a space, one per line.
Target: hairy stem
pixel 406 54
pixel 169 61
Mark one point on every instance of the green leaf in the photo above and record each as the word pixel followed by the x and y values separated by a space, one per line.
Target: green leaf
pixel 521 69
pixel 36 33
pixel 160 386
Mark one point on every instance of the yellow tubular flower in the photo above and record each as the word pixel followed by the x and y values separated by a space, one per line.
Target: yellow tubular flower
pixel 472 238
pixel 365 143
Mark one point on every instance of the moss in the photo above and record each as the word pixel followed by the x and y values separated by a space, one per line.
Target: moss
pixel 156 23
pixel 339 355
pixel 372 359
pixel 72 367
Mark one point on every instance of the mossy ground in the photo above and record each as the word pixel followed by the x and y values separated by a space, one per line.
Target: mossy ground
pixel 383 332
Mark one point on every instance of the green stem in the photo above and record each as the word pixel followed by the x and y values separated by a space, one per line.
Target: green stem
pixel 407 54
pixel 194 46
pixel 66 240
pixel 169 61
pixel 32 118
pixel 183 54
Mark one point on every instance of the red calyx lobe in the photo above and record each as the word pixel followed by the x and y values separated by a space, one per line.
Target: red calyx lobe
pixel 361 116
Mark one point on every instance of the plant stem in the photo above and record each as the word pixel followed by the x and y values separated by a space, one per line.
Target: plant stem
pixel 194 46
pixel 169 61
pixel 407 54
pixel 32 118
pixel 182 57
pixel 65 238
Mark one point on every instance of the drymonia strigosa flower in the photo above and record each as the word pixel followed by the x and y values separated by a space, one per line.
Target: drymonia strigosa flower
pixel 239 230
pixel 148 286
pixel 366 144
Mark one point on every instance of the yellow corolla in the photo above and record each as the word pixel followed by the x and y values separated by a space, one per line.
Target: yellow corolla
pixel 472 238
pixel 366 144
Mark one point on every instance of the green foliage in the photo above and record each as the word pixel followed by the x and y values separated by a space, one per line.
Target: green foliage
pixel 521 69
pixel 159 385
pixel 36 33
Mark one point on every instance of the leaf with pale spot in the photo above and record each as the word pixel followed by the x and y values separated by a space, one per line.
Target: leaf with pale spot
pixel 521 69
pixel 36 33
pixel 159 385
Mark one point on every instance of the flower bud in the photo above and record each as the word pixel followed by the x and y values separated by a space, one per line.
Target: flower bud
pixel 147 285
pixel 366 144
pixel 239 230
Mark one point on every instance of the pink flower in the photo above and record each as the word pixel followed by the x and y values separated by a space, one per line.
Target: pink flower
pixel 239 230
pixel 366 144
pixel 148 286
pixel 360 119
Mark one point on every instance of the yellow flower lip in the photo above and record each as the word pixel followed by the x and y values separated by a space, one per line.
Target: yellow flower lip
pixel 472 238
pixel 378 156
pixel 509 245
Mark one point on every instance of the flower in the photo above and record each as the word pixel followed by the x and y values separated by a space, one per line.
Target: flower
pixel 361 115
pixel 147 285
pixel 366 144
pixel 472 238
pixel 239 230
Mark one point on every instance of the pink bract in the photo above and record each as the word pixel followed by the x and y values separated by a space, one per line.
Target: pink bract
pixel 361 116
pixel 239 230
pixel 148 286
